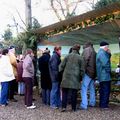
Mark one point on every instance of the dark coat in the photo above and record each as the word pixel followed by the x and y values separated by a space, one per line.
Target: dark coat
pixel 43 62
pixel 54 67
pixel 20 71
pixel 89 56
pixel 73 70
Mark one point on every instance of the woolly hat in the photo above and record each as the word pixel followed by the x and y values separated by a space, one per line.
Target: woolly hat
pixel 103 43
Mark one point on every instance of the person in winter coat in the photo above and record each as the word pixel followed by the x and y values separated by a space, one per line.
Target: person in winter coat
pixel 88 81
pixel 6 75
pixel 54 62
pixel 28 75
pixel 43 62
pixel 103 66
pixel 13 86
pixel 73 69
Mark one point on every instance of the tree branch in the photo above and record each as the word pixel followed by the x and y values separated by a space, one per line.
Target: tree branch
pixel 62 9
pixel 21 18
pixel 55 10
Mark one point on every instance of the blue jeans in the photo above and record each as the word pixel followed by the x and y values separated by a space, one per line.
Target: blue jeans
pixel 87 83
pixel 46 96
pixel 21 88
pixel 104 93
pixel 55 100
pixel 4 93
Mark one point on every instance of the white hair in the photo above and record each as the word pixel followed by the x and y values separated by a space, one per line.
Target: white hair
pixel 103 47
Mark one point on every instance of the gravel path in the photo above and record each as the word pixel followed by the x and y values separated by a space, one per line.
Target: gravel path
pixel 17 111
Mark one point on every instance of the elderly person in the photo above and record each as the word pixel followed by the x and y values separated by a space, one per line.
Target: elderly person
pixel 28 75
pixel 73 69
pixel 88 81
pixel 103 66
pixel 54 75
pixel 6 75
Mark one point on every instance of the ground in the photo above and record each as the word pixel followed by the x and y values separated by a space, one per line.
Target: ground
pixel 17 111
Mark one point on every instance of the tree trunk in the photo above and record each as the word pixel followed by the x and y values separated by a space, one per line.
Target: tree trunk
pixel 28 13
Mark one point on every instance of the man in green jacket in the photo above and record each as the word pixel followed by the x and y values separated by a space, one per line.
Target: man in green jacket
pixel 73 69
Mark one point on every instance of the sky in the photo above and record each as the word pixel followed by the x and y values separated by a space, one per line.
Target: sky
pixel 40 10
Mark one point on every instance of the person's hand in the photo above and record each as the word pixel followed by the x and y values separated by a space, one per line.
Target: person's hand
pixel 109 51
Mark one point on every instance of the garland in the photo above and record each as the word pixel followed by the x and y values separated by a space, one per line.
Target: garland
pixel 84 24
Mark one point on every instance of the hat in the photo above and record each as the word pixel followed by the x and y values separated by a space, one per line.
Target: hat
pixel 11 47
pixel 103 43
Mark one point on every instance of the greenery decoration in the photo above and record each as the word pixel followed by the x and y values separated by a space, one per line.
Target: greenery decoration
pixel 84 24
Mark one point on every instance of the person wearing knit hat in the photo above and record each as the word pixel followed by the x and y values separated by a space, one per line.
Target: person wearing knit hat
pixel 103 67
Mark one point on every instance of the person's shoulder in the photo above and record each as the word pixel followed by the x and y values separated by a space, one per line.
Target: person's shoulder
pixel 101 51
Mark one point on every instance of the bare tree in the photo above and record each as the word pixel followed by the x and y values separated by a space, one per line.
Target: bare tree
pixel 64 9
pixel 92 3
pixel 28 13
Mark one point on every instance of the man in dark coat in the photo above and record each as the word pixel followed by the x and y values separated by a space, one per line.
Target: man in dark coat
pixel 54 74
pixel 89 56
pixel 45 76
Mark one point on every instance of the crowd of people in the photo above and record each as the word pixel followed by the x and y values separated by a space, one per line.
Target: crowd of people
pixel 60 79
pixel 16 76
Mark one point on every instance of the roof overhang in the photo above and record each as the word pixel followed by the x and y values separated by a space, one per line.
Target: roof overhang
pixel 86 16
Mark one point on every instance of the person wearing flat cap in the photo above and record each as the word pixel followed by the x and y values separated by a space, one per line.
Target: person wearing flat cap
pixel 103 67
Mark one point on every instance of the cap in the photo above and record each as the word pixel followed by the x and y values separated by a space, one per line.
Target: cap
pixel 11 47
pixel 103 43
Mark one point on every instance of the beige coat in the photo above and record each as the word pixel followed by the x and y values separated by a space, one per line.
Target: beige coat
pixel 13 62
